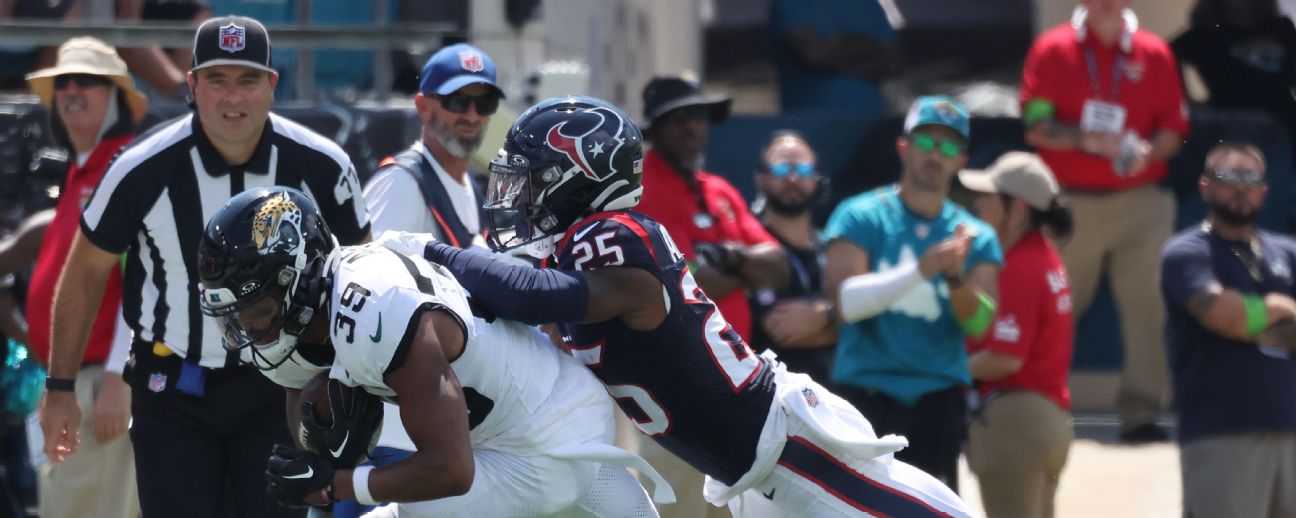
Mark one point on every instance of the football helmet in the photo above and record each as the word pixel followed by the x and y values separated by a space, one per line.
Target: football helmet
pixel 261 263
pixel 563 159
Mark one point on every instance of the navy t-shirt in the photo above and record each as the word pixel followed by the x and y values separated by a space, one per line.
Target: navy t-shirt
pixel 1224 386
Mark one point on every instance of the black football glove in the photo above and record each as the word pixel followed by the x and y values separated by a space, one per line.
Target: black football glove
pixel 357 421
pixel 293 474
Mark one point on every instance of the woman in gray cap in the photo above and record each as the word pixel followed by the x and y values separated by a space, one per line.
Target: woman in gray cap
pixel 1021 430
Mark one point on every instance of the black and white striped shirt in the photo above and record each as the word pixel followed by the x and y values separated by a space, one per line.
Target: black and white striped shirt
pixel 155 199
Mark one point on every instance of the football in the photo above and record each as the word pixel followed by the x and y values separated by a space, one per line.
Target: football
pixel 338 422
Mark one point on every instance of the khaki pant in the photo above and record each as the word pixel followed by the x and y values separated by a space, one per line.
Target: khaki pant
pixel 1120 234
pixel 1251 475
pixel 686 481
pixel 99 480
pixel 1017 447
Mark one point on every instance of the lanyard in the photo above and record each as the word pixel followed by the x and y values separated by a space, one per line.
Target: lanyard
pixel 1093 72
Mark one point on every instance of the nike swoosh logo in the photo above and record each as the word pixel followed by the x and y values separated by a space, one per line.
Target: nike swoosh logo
pixel 581 233
pixel 310 472
pixel 377 334
pixel 338 452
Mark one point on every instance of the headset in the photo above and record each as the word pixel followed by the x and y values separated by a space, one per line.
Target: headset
pixel 1080 13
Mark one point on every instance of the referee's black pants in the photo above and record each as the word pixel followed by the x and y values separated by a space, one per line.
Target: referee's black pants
pixel 205 456
pixel 935 426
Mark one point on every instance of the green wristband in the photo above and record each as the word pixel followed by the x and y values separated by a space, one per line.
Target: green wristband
pixel 1257 317
pixel 1037 110
pixel 979 322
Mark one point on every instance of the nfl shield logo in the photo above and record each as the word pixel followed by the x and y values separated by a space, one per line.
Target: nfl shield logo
pixel 157 382
pixel 810 397
pixel 232 38
pixel 471 61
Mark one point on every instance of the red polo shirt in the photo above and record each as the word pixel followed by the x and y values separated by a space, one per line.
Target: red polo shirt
pixel 1033 321
pixel 670 201
pixel 1149 89
pixel 81 182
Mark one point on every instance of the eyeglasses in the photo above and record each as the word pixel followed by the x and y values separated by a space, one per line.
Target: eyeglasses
pixel 81 80
pixel 926 143
pixel 783 169
pixel 458 102
pixel 1240 177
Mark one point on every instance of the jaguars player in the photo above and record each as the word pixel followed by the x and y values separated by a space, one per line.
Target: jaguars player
pixel 504 424
pixel 771 442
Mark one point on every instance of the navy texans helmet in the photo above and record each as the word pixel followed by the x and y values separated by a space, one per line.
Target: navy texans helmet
pixel 563 159
pixel 261 263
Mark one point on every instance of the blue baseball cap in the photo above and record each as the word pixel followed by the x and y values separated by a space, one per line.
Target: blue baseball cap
pixel 455 67
pixel 938 110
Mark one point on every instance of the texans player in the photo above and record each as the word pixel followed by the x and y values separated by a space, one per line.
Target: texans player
pixel 772 442
pixel 504 424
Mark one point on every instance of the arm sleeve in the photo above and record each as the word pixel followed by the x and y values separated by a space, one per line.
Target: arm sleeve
pixel 530 295
pixel 396 203
pixel 1184 271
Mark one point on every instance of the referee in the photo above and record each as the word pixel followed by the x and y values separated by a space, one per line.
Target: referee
pixel 200 446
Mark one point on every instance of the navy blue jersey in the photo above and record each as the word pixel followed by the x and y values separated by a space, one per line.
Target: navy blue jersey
pixel 692 384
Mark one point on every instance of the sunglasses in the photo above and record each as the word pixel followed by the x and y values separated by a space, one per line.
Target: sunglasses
pixel 926 143
pixel 1240 177
pixel 81 80
pixel 783 169
pixel 458 102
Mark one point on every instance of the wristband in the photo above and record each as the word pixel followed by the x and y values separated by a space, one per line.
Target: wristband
pixel 360 485
pixel 1257 315
pixel 979 322
pixel 60 384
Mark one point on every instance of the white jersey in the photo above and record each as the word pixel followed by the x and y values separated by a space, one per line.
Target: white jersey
pixel 508 371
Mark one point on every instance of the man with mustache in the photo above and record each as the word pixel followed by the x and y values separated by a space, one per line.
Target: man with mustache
pixel 912 275
pixel 93 110
pixel 203 422
pixel 1231 329
pixel 795 322
pixel 426 188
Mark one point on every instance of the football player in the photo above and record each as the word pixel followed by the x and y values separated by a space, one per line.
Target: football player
pixel 504 423
pixel 772 442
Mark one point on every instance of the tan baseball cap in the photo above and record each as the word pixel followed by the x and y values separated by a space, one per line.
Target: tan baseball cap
pixel 1015 173
pixel 86 55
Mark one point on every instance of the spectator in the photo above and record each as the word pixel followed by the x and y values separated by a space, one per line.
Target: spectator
pixel 427 189
pixel 1231 330
pixel 17 60
pixel 912 274
pixel 1102 102
pixel 1245 53
pixel 197 440
pixel 93 110
pixel 831 55
pixel 795 322
pixel 1021 432
pixel 163 70
pixel 728 250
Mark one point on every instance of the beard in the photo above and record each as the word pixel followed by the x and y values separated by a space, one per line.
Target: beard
pixel 784 207
pixel 459 147
pixel 1233 216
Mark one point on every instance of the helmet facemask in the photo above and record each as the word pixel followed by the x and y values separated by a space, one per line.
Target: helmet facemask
pixel 515 205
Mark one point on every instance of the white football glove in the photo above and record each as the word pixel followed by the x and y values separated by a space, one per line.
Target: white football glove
pixel 405 243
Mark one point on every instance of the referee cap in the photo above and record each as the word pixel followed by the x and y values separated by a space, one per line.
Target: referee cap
pixel 232 40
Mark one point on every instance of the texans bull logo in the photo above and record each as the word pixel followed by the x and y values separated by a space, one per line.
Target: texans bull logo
pixel 590 140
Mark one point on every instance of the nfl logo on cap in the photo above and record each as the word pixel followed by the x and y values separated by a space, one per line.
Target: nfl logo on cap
pixel 471 61
pixel 232 38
